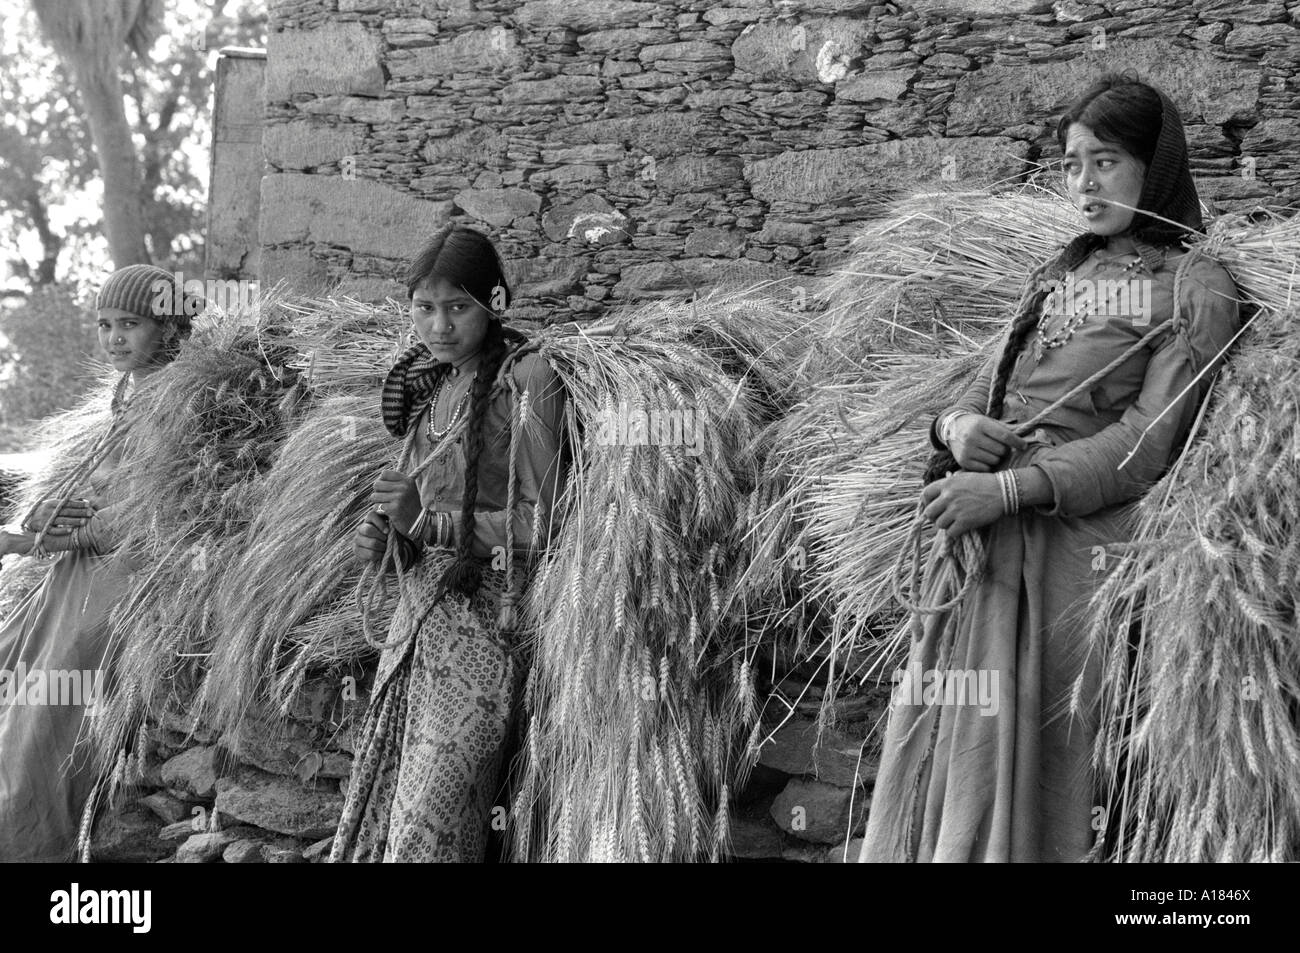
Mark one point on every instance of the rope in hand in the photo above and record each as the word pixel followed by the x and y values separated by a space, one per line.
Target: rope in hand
pixel 63 492
pixel 372 585
pixel 966 565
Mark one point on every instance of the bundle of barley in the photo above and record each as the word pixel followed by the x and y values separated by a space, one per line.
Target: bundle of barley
pixel 285 606
pixel 941 269
pixel 640 695
pixel 342 345
pixel 844 468
pixel 1200 743
pixel 853 460
pixel 202 433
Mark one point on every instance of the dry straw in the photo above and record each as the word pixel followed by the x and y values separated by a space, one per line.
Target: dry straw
pixel 641 695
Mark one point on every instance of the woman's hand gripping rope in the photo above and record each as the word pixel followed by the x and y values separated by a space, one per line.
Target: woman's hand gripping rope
pixel 962 502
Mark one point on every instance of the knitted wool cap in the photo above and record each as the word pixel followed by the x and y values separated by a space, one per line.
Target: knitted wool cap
pixel 150 292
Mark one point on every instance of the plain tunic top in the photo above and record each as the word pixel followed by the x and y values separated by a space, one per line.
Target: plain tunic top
pixel 1089 436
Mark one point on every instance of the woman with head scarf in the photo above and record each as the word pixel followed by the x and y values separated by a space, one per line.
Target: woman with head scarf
pixel 987 752
pixel 425 778
pixel 53 648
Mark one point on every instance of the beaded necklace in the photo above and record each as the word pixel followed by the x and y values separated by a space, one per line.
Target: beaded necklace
pixel 436 435
pixel 1066 331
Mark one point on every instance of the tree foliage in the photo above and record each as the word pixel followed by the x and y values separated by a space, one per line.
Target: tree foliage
pixel 54 191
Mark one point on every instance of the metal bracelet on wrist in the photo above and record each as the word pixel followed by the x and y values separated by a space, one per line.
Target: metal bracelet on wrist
pixel 945 425
pixel 419 527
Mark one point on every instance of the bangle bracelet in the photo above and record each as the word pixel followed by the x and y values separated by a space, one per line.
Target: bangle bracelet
pixel 438 530
pixel 417 528
pixel 1009 486
pixel 945 424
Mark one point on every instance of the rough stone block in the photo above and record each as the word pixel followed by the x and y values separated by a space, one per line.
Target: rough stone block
pixel 716 242
pixel 978 8
pixel 499 207
pixel 277 804
pixel 660 134
pixel 590 219
pixel 547 275
pixel 207 847
pixel 560 89
pixel 358 214
pixel 1205 87
pixel 819 812
pixel 820 176
pixel 887 85
pixel 622 41
pixel 340 58
pixel 816 51
pixel 838 759
pixel 698 174
pixel 194 771
pixel 478 146
pixel 356 108
pixel 678 276
pixel 129 836
pixel 584 15
pixel 471 52
pixel 302 145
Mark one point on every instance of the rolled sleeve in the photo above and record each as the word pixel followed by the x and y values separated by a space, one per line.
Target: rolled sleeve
pixel 1090 473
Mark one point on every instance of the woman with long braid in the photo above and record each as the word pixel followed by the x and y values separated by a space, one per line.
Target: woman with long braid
pixel 58 636
pixel 1083 407
pixel 425 778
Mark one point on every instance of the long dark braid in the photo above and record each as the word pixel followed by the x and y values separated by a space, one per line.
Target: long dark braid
pixel 465 574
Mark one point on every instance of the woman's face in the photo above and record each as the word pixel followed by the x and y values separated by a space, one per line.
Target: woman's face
pixel 451 324
pixel 131 342
pixel 1098 173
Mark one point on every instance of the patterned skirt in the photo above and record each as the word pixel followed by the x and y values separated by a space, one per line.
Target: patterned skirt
pixel 428 762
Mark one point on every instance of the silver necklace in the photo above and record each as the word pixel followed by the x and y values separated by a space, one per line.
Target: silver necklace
pixel 1066 331
pixel 436 435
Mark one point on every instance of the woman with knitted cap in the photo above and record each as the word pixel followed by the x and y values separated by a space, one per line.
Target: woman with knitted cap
pixel 1084 404
pixel 53 648
pixel 480 418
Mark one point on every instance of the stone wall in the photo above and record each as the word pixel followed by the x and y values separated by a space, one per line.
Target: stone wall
pixel 616 148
